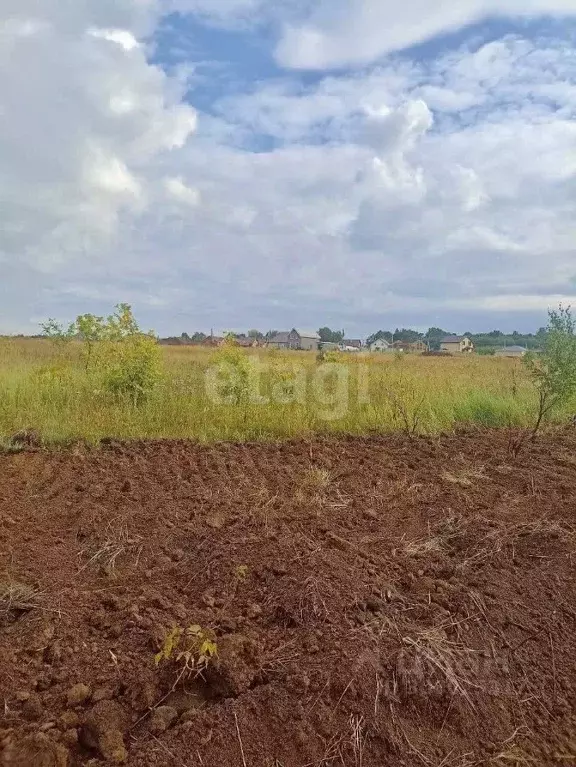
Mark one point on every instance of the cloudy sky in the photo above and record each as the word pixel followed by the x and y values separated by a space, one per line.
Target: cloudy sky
pixel 277 163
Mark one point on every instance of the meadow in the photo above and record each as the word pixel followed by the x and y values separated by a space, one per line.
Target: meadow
pixel 287 394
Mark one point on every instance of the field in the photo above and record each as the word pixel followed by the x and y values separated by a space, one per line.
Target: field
pixel 353 601
pixel 271 561
pixel 47 388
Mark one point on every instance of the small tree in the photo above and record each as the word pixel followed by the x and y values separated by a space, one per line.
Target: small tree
pixel 89 329
pixel 130 360
pixel 553 371
pixel 234 366
pixel 57 333
pixel 115 350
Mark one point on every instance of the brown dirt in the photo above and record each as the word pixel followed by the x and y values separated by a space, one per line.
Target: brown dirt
pixel 375 602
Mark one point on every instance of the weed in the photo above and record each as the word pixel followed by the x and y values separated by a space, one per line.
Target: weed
pixel 486 409
pixel 232 365
pixel 241 572
pixel 406 407
pixel 192 649
pixel 316 479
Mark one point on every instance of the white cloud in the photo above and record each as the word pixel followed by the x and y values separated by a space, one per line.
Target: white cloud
pixel 181 192
pixel 82 127
pixel 408 188
pixel 121 37
pixel 360 31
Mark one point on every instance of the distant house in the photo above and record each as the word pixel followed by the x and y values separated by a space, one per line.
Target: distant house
pixel 457 345
pixel 284 339
pixel 511 351
pixel 309 340
pixel 212 341
pixel 414 347
pixel 381 345
pixel 246 341
pixel 295 339
pixel 352 343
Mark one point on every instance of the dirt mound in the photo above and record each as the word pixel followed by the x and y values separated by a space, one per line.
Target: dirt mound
pixel 361 602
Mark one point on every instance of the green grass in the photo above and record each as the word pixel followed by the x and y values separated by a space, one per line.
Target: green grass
pixel 48 389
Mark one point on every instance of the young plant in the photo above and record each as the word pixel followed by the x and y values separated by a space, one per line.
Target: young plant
pixel 89 329
pixel 553 371
pixel 234 364
pixel 406 408
pixel 192 649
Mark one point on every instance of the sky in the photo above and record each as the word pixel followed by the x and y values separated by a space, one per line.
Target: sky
pixel 231 164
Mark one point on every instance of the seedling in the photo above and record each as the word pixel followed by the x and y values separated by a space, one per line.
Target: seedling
pixel 192 648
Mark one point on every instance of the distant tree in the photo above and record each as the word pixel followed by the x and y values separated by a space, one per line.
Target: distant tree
pixel 255 334
pixel 433 337
pixel 407 334
pixel 270 334
pixel 331 336
pixel 495 333
pixel 384 335
pixel 198 338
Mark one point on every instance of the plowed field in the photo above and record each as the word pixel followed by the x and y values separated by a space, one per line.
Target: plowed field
pixel 367 602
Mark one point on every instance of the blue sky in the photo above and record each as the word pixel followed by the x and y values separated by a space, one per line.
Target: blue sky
pixel 249 163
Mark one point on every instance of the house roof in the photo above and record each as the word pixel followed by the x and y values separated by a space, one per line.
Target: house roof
pixel 380 341
pixel 308 334
pixel 282 337
pixel 407 344
pixel 512 349
pixel 352 342
pixel 453 339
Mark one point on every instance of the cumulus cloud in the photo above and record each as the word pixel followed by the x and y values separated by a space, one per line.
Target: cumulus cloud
pixel 85 120
pixel 360 31
pixel 451 207
pixel 440 188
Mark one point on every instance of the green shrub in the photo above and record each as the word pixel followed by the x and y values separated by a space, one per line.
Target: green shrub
pixel 131 367
pixel 124 360
pixel 553 372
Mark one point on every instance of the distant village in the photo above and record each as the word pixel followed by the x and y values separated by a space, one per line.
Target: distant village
pixel 433 343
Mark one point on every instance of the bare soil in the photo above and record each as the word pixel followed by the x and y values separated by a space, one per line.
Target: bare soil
pixel 374 602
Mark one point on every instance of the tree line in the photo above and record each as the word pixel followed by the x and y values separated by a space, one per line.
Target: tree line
pixel 432 337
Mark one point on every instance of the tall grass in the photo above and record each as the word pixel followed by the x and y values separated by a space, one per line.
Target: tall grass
pixel 48 389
